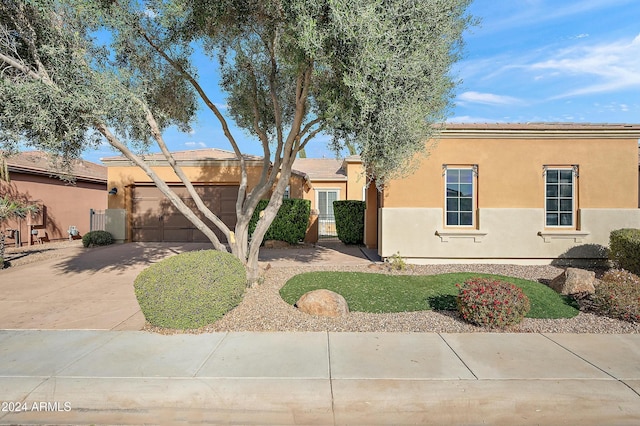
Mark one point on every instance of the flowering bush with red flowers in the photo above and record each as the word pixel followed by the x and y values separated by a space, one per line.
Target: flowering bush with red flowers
pixel 618 295
pixel 491 303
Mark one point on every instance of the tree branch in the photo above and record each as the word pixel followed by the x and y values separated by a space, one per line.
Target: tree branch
pixel 211 105
pixel 309 137
pixel 157 135
pixel 162 185
pixel 24 68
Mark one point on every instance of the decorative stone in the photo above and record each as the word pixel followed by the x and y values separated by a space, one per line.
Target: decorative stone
pixel 324 303
pixel 574 281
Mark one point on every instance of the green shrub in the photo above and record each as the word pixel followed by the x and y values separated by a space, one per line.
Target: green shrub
pixel 191 289
pixel 618 296
pixel 97 238
pixel 492 303
pixel 290 224
pixel 624 249
pixel 349 220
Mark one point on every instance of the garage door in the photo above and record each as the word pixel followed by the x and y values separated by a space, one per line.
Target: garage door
pixel 155 219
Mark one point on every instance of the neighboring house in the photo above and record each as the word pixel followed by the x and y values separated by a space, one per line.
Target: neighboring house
pixel 138 211
pixel 511 193
pixel 34 178
pixel 331 180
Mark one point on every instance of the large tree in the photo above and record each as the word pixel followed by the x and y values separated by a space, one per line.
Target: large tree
pixel 374 74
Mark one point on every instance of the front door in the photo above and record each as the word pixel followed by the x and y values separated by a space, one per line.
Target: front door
pixel 326 219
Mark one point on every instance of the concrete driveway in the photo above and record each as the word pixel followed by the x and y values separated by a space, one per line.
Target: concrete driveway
pixel 83 289
pixel 92 289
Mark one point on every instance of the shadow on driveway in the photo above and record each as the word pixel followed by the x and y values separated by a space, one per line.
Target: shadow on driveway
pixel 123 257
pixel 334 253
pixel 120 257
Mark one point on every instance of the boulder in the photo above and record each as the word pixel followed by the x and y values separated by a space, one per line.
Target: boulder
pixel 574 281
pixel 324 303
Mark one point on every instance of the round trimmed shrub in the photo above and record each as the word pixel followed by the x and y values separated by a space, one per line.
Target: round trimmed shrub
pixel 492 303
pixel 191 289
pixel 618 296
pixel 624 249
pixel 97 238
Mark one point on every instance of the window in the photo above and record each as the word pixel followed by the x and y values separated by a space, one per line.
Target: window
pixel 287 192
pixel 459 196
pixel 559 197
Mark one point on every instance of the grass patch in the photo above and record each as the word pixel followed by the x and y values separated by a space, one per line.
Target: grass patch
pixel 381 293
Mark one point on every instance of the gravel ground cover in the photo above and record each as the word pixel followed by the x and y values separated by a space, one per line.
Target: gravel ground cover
pixel 17 256
pixel 264 310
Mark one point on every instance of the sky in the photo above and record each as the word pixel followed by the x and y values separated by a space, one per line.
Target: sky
pixel 526 61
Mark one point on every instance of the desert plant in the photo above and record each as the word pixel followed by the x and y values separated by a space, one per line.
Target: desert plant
pixel 618 295
pixel 97 238
pixel 491 303
pixel 290 224
pixel 191 289
pixel 10 209
pixel 397 262
pixel 349 216
pixel 624 249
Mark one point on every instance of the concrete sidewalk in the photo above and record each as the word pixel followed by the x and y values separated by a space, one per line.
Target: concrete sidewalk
pixel 98 377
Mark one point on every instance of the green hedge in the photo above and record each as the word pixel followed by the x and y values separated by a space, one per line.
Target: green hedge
pixel 190 290
pixel 97 238
pixel 349 216
pixel 290 224
pixel 624 249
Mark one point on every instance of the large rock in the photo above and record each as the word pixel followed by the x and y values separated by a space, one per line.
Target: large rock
pixel 574 281
pixel 324 303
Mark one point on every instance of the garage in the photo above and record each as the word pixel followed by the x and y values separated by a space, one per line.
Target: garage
pixel 155 219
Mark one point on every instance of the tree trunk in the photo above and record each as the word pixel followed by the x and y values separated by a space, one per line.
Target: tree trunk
pixel 265 221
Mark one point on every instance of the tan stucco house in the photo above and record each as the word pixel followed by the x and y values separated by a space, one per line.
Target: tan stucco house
pixel 138 211
pixel 330 180
pixel 34 179
pixel 523 193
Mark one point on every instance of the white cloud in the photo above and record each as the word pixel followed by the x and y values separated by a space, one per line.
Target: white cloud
pixel 487 98
pixel 470 119
pixel 500 16
pixel 195 144
pixel 615 66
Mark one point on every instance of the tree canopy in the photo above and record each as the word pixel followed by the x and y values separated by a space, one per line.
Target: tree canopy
pixel 374 74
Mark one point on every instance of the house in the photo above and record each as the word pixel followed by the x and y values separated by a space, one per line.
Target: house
pixel 330 180
pixel 138 211
pixel 35 179
pixel 514 193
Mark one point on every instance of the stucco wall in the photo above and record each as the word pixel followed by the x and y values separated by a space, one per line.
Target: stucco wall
pixel 341 186
pixel 510 172
pixel 504 234
pixel 65 204
pixel 510 199
pixel 356 181
pixel 123 176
